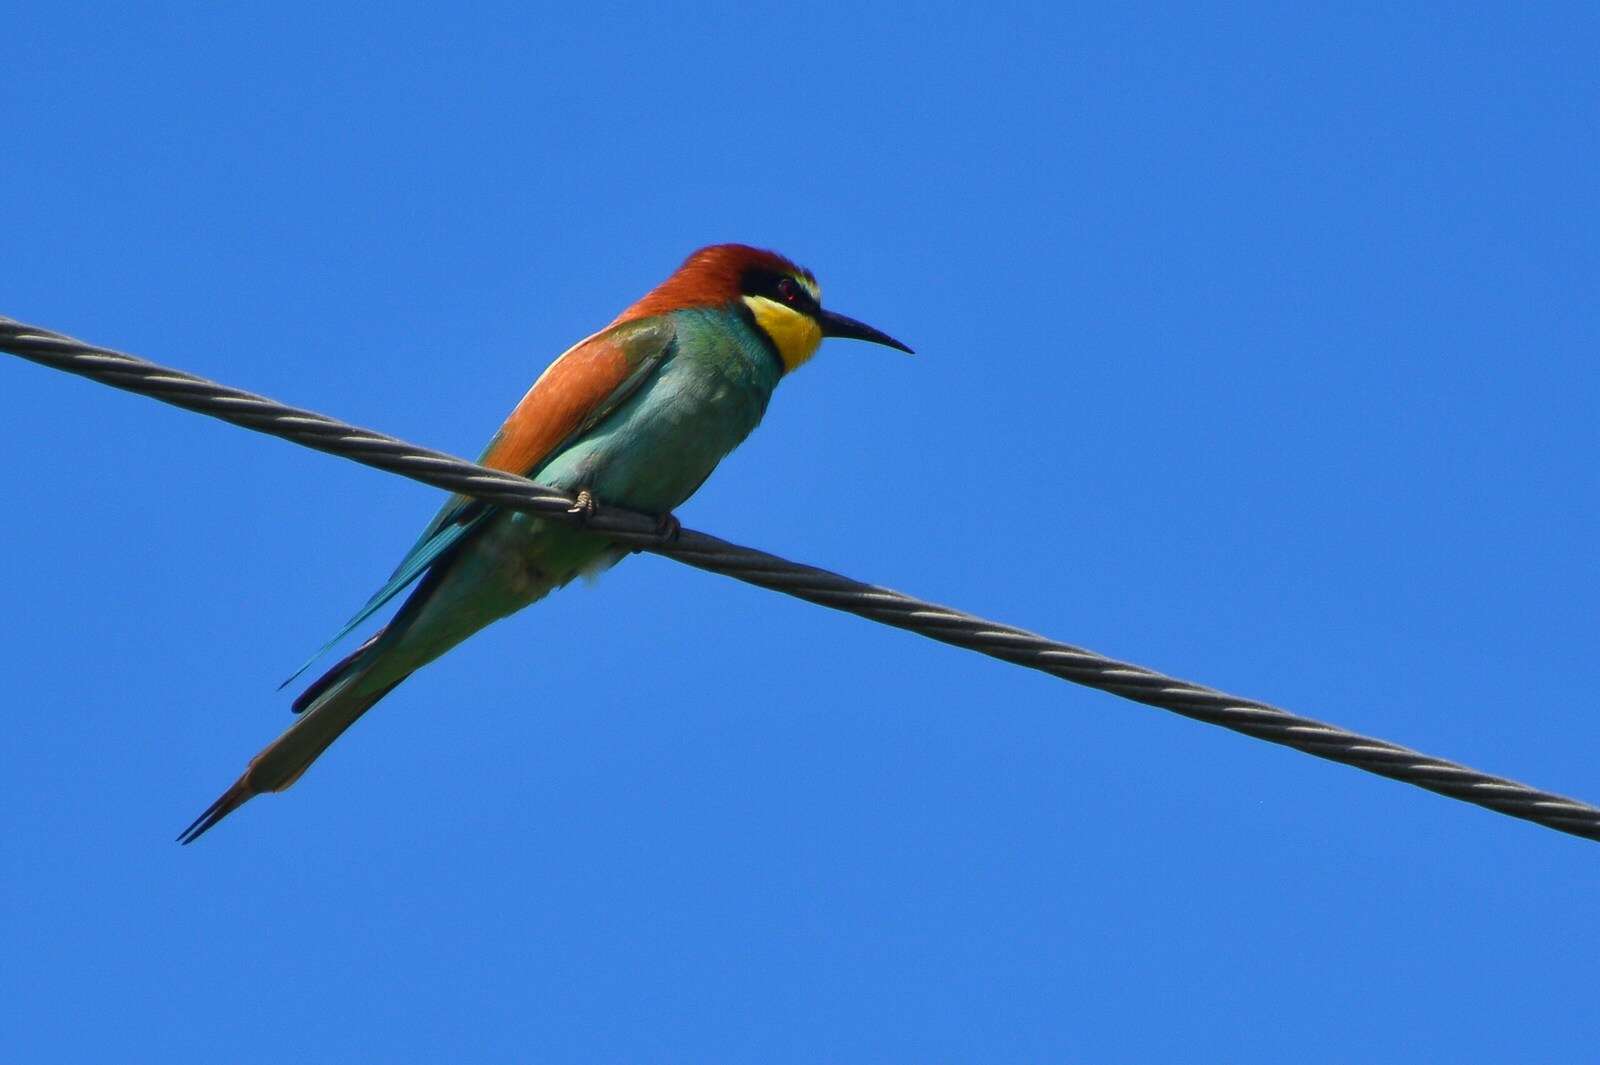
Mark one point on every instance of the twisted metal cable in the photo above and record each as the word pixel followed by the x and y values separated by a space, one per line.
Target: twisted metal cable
pixel 814 585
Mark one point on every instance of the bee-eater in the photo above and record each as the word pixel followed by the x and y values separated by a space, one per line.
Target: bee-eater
pixel 636 416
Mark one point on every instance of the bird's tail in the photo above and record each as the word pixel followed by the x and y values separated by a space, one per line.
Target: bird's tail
pixel 326 709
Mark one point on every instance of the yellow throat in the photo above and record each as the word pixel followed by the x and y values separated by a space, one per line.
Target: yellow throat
pixel 795 335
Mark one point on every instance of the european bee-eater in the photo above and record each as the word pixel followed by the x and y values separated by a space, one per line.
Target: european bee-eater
pixel 637 416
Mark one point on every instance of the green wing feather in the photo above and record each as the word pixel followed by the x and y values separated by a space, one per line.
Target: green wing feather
pixel 646 344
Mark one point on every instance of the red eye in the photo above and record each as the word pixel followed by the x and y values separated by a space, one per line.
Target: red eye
pixel 788 291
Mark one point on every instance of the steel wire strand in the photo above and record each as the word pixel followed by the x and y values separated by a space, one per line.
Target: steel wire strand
pixel 832 590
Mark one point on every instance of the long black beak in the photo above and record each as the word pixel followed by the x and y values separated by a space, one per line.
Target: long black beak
pixel 837 325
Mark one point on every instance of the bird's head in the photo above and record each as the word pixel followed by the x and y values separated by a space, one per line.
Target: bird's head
pixel 782 300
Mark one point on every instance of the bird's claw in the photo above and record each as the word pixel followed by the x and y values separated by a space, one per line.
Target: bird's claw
pixel 584 506
pixel 667 528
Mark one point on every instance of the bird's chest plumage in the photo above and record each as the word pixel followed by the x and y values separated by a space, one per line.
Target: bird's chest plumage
pixel 656 448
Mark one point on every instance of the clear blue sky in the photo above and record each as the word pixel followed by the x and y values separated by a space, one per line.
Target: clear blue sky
pixel 1255 346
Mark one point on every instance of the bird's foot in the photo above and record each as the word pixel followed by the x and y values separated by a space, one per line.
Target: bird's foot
pixel 667 528
pixel 584 506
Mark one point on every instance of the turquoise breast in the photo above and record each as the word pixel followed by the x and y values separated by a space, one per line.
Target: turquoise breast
pixel 659 446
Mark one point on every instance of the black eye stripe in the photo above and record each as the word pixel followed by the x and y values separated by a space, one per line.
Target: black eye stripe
pixel 780 288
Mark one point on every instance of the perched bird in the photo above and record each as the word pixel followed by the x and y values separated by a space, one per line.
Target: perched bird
pixel 636 416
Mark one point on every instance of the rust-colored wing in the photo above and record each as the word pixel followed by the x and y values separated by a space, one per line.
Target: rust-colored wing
pixel 585 383
pixel 578 390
